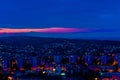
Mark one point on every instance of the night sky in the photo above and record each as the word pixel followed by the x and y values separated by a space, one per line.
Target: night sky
pixel 89 19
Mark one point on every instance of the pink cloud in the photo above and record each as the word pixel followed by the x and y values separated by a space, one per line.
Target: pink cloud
pixel 44 30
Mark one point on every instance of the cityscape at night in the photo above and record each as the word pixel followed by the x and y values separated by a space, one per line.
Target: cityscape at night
pixel 58 59
pixel 59 40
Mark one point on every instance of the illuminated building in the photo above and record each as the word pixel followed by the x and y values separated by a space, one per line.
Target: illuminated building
pixel 72 59
pixel 88 59
pixel 34 60
pixel 57 58
pixel 4 62
pixel 103 59
pixel 20 63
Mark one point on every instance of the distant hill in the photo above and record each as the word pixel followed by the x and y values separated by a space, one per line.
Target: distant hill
pixel 27 40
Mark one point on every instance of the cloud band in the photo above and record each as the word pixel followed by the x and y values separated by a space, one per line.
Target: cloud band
pixel 44 30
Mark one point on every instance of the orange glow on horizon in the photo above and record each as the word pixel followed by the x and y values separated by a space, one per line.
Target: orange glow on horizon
pixel 43 30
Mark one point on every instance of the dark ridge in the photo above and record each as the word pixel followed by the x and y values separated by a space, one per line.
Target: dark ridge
pixel 30 40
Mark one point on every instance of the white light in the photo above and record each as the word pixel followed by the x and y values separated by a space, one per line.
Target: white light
pixel 54 69
pixel 43 72
pixel 62 74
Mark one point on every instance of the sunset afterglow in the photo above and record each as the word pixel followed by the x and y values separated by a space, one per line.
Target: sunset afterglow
pixel 43 30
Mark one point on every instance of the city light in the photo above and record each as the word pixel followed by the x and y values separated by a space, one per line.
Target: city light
pixel 44 72
pixel 62 74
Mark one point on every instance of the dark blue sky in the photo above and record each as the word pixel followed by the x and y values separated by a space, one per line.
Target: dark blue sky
pixel 102 14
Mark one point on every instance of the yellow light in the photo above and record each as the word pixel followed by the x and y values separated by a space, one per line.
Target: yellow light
pixel 22 69
pixel 96 78
pixel 118 69
pixel 64 68
pixel 110 70
pixel 10 78
pixel 98 63
pixel 53 62
pixel 12 72
pixel 43 72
